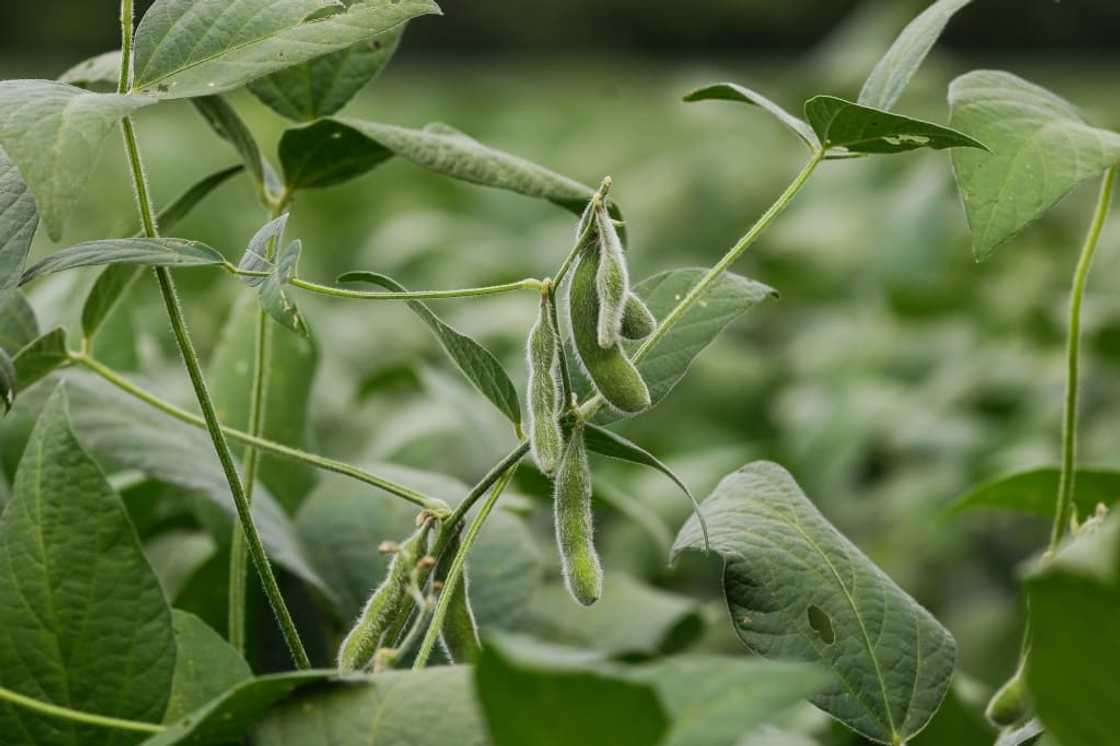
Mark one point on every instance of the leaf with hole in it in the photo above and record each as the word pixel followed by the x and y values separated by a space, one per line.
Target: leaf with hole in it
pixel 322 86
pixel 1041 148
pixel 894 71
pixel 85 622
pixel 205 666
pixel 53 132
pixel 39 358
pixel 1074 604
pixel 798 589
pixel 188 48
pixel 474 361
pixel 18 220
pixel 735 92
pixel 102 71
pixel 1035 491
pixel 862 129
pixel 144 252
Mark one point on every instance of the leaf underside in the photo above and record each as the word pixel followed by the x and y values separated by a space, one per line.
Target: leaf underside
pixel 862 129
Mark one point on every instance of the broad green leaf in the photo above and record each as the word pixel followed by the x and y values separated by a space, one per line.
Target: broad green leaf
pixel 205 666
pixel 430 707
pixel 474 361
pixel 104 70
pixel 229 126
pixel 7 381
pixel 18 221
pixel 1041 148
pixel 893 73
pixel 290 378
pixel 53 132
pixel 862 129
pixel 322 86
pixel 227 717
pixel 18 325
pixel 735 92
pixel 145 252
pixel 85 622
pixel 327 153
pixel 1035 491
pixel 188 48
pixel 797 589
pixel 1074 603
pixel 40 358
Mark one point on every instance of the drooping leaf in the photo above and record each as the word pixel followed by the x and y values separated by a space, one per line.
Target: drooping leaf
pixel 84 621
pixel 18 221
pixel 102 71
pixel 735 92
pixel 145 252
pixel 43 356
pixel 797 589
pixel 474 361
pixel 862 129
pixel 229 126
pixel 226 718
pixel 7 381
pixel 53 132
pixel 18 325
pixel 893 72
pixel 1041 148
pixel 205 666
pixel 188 48
pixel 1074 600
pixel 430 707
pixel 322 86
pixel 1035 491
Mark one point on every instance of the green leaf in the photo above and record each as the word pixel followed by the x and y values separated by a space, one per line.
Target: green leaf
pixel 18 221
pixel 893 73
pixel 327 153
pixel 104 70
pixel 322 86
pixel 1035 491
pixel 1041 148
pixel 54 132
pixel 40 358
pixel 735 92
pixel 226 718
pixel 1074 601
pixel 270 288
pixel 7 381
pixel 188 48
pixel 229 126
pixel 474 361
pixel 862 129
pixel 85 622
pixel 145 252
pixel 18 325
pixel 1028 733
pixel 205 666
pixel 430 707
pixel 797 589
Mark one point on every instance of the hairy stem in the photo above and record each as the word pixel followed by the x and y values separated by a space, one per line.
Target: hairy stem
pixel 76 716
pixel 1068 479
pixel 510 287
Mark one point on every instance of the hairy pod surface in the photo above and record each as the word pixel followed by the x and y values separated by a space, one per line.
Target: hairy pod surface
pixel 638 321
pixel 361 644
pixel 545 394
pixel 612 281
pixel 614 376
pixel 459 633
pixel 583 574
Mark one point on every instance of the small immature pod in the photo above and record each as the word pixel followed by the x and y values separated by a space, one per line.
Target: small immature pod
pixel 583 574
pixel 545 395
pixel 638 321
pixel 612 282
pixel 460 631
pixel 361 644
pixel 1010 705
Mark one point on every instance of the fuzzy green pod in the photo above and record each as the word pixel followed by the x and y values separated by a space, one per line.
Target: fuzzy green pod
pixel 459 633
pixel 545 394
pixel 609 369
pixel 612 281
pixel 583 574
pixel 361 644
pixel 638 321
pixel 1011 704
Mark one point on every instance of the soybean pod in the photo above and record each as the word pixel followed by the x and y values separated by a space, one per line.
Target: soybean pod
pixel 583 574
pixel 638 321
pixel 612 281
pixel 545 394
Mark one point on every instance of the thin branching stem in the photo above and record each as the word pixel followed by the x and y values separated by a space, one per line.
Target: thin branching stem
pixel 509 287
pixel 77 716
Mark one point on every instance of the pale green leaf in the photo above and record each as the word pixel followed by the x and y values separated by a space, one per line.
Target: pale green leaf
pixel 205 666
pixel 1024 735
pixel 862 129
pixel 893 72
pixel 39 358
pixel 54 132
pixel 102 71
pixel 1041 148
pixel 188 48
pixel 264 255
pixel 84 621
pixel 1035 491
pixel 18 221
pixel 735 92
pixel 797 589
pixel 18 325
pixel 145 252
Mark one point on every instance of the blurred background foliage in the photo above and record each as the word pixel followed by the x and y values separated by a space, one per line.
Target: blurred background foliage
pixel 893 374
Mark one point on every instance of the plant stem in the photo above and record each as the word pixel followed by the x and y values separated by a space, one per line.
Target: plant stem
pixel 194 370
pixel 510 287
pixel 125 80
pixel 438 507
pixel 76 716
pixel 511 459
pixel 1068 478
pixel 458 562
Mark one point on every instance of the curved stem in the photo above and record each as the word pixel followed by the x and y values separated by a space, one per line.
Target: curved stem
pixel 511 459
pixel 1068 479
pixel 437 507
pixel 77 716
pixel 510 287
